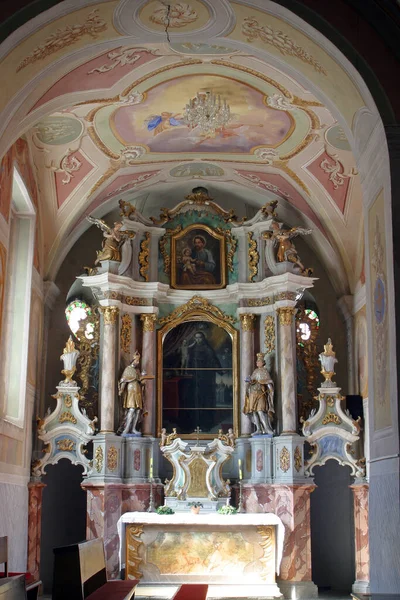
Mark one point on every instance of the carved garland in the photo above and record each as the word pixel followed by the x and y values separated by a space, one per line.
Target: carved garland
pixel 126 333
pixel 284 460
pixel 197 303
pixel 253 256
pixel 269 334
pixel 163 248
pixel 98 459
pixel 232 243
pixel 144 256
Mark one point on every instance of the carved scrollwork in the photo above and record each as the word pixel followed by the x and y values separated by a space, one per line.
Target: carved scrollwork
pixel 253 256
pixel 133 543
pixel 195 304
pixel 144 256
pixel 163 247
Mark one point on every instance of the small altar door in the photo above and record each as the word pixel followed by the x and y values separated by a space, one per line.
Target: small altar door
pixel 243 550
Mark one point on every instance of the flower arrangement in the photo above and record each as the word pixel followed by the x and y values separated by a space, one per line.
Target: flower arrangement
pixel 195 504
pixel 227 509
pixel 164 510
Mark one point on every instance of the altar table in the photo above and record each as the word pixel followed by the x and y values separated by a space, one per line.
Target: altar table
pixel 243 550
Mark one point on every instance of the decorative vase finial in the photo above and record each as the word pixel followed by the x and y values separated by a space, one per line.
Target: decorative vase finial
pixel 69 357
pixel 328 360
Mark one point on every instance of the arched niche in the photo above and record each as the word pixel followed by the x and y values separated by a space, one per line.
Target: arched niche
pixel 191 394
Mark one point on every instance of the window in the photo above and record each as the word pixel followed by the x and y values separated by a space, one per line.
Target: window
pixel 18 300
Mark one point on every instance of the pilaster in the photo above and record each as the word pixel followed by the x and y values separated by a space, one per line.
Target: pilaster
pixel 361 539
pixel 247 355
pixel 148 321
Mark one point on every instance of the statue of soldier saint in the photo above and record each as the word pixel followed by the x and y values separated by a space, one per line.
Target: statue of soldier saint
pixel 131 389
pixel 259 400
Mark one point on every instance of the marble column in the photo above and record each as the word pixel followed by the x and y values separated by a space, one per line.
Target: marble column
pixel 148 364
pixel 247 365
pixel 361 541
pixel 108 368
pixel 35 491
pixel 287 368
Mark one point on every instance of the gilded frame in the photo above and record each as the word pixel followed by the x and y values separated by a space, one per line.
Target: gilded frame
pixel 199 315
pixel 176 237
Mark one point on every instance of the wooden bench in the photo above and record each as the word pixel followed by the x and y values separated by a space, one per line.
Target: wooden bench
pixel 80 574
pixel 188 591
pixel 31 586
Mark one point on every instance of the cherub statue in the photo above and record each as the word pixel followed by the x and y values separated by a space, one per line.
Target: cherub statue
pixel 286 248
pixel 259 401
pixel 113 240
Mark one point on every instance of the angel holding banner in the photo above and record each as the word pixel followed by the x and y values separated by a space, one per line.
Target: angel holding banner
pixel 286 248
pixel 113 239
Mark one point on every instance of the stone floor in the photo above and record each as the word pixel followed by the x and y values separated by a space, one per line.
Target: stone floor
pixel 145 592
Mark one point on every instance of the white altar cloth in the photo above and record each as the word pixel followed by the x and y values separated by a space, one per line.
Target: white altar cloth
pixel 185 518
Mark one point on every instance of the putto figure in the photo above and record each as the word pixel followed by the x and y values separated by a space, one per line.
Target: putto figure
pixel 113 240
pixel 130 388
pixel 259 401
pixel 286 250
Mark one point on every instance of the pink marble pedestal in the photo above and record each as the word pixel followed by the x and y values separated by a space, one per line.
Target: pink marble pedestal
pixel 35 491
pixel 105 505
pixel 291 503
pixel 360 503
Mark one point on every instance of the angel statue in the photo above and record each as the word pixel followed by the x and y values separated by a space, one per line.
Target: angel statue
pixel 113 240
pixel 286 248
pixel 259 400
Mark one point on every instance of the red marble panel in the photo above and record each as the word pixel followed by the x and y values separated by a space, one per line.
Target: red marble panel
pixel 35 491
pixel 360 499
pixel 259 460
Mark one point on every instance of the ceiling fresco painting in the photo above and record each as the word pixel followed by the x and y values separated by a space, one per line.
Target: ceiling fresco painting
pixel 103 116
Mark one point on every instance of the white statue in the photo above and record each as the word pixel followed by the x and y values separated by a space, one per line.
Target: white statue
pixel 328 360
pixel 69 358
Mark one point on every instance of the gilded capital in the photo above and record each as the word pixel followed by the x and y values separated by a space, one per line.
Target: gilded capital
pixel 110 314
pixel 285 315
pixel 149 321
pixel 247 321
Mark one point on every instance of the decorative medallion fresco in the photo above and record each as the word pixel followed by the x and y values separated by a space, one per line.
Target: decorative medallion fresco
pixel 330 172
pixel 180 15
pixel 58 130
pixel 197 170
pixel 336 137
pixel 199 48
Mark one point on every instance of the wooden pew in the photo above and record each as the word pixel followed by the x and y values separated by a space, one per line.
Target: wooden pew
pixel 13 588
pixel 80 574
pixel 31 586
pixel 189 591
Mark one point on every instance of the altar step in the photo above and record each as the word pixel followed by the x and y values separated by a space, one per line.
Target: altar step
pixel 217 592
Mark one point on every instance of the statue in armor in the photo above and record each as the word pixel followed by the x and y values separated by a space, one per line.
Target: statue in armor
pixel 259 400
pixel 130 388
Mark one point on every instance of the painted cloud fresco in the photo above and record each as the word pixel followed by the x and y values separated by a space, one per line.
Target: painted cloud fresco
pixel 157 123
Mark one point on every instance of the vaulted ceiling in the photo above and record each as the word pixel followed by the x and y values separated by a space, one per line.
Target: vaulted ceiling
pixel 99 94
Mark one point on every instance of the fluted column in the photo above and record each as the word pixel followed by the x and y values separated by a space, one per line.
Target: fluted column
pixel 108 368
pixel 149 365
pixel 247 362
pixel 287 370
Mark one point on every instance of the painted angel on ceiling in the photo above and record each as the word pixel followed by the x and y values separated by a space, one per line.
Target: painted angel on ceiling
pixel 113 240
pixel 286 250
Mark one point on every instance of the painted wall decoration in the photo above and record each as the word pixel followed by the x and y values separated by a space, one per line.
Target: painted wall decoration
pixel 6 182
pixel 3 265
pixel 197 170
pixel 380 323
pixel 198 260
pixel 157 123
pixel 197 378
pixel 361 346
pixel 181 16
pixel 35 338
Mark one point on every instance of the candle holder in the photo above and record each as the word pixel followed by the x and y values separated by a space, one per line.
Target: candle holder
pixel 151 501
pixel 240 508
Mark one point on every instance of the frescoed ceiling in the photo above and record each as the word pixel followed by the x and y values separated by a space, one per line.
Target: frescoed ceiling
pixel 104 118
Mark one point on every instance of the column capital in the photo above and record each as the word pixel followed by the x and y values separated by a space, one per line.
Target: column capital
pixel 247 321
pixel 110 314
pixel 285 314
pixel 149 321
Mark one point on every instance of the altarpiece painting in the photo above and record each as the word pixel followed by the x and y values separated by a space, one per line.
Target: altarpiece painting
pixel 198 259
pixel 197 378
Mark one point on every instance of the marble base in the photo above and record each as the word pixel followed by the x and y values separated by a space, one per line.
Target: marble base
pixel 261 459
pixel 289 459
pixel 361 587
pixel 137 452
pixel 298 589
pixel 107 459
pixel 183 505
